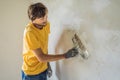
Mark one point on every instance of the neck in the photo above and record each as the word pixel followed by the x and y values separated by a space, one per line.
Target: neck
pixel 38 26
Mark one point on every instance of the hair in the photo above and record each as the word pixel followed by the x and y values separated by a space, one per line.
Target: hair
pixel 36 10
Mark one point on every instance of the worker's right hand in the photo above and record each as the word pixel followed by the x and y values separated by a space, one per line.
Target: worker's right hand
pixel 71 53
pixel 49 70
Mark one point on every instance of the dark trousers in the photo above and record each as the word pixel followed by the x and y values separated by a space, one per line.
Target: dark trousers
pixel 41 76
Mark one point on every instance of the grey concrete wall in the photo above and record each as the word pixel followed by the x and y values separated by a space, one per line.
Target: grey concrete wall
pixel 96 21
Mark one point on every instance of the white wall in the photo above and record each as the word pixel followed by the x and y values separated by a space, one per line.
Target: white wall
pixel 13 18
pixel 97 22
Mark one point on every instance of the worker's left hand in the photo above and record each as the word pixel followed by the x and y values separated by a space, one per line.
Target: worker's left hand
pixel 49 71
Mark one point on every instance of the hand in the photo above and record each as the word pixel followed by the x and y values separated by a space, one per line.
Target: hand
pixel 71 53
pixel 49 71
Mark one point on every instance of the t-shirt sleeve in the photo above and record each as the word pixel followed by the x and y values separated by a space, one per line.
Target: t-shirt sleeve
pixel 31 41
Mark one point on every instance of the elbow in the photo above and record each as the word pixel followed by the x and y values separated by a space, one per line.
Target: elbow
pixel 42 59
pixel 40 55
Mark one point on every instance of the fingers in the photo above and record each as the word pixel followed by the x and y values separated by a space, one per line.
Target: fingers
pixel 75 50
pixel 71 53
pixel 49 73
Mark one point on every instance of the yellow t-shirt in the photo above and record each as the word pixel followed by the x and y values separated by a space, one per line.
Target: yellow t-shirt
pixel 34 38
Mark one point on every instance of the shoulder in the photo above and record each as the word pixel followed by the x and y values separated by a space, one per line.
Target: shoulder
pixel 28 33
pixel 48 23
pixel 28 30
pixel 48 27
pixel 29 27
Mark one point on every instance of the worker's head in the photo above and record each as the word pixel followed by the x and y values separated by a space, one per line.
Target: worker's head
pixel 37 13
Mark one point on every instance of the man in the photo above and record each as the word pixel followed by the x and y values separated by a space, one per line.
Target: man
pixel 35 45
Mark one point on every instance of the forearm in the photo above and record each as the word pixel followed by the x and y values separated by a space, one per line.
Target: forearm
pixel 45 57
pixel 49 58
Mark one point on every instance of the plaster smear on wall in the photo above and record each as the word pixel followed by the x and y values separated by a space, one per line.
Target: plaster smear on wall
pixel 99 27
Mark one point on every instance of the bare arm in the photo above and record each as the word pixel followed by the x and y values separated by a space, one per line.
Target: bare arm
pixel 45 57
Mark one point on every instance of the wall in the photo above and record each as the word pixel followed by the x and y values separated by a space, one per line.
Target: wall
pixel 13 18
pixel 97 22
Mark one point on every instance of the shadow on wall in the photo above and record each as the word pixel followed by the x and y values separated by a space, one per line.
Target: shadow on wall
pixel 65 43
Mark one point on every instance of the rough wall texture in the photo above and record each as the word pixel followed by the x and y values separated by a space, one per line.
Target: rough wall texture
pixel 97 22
